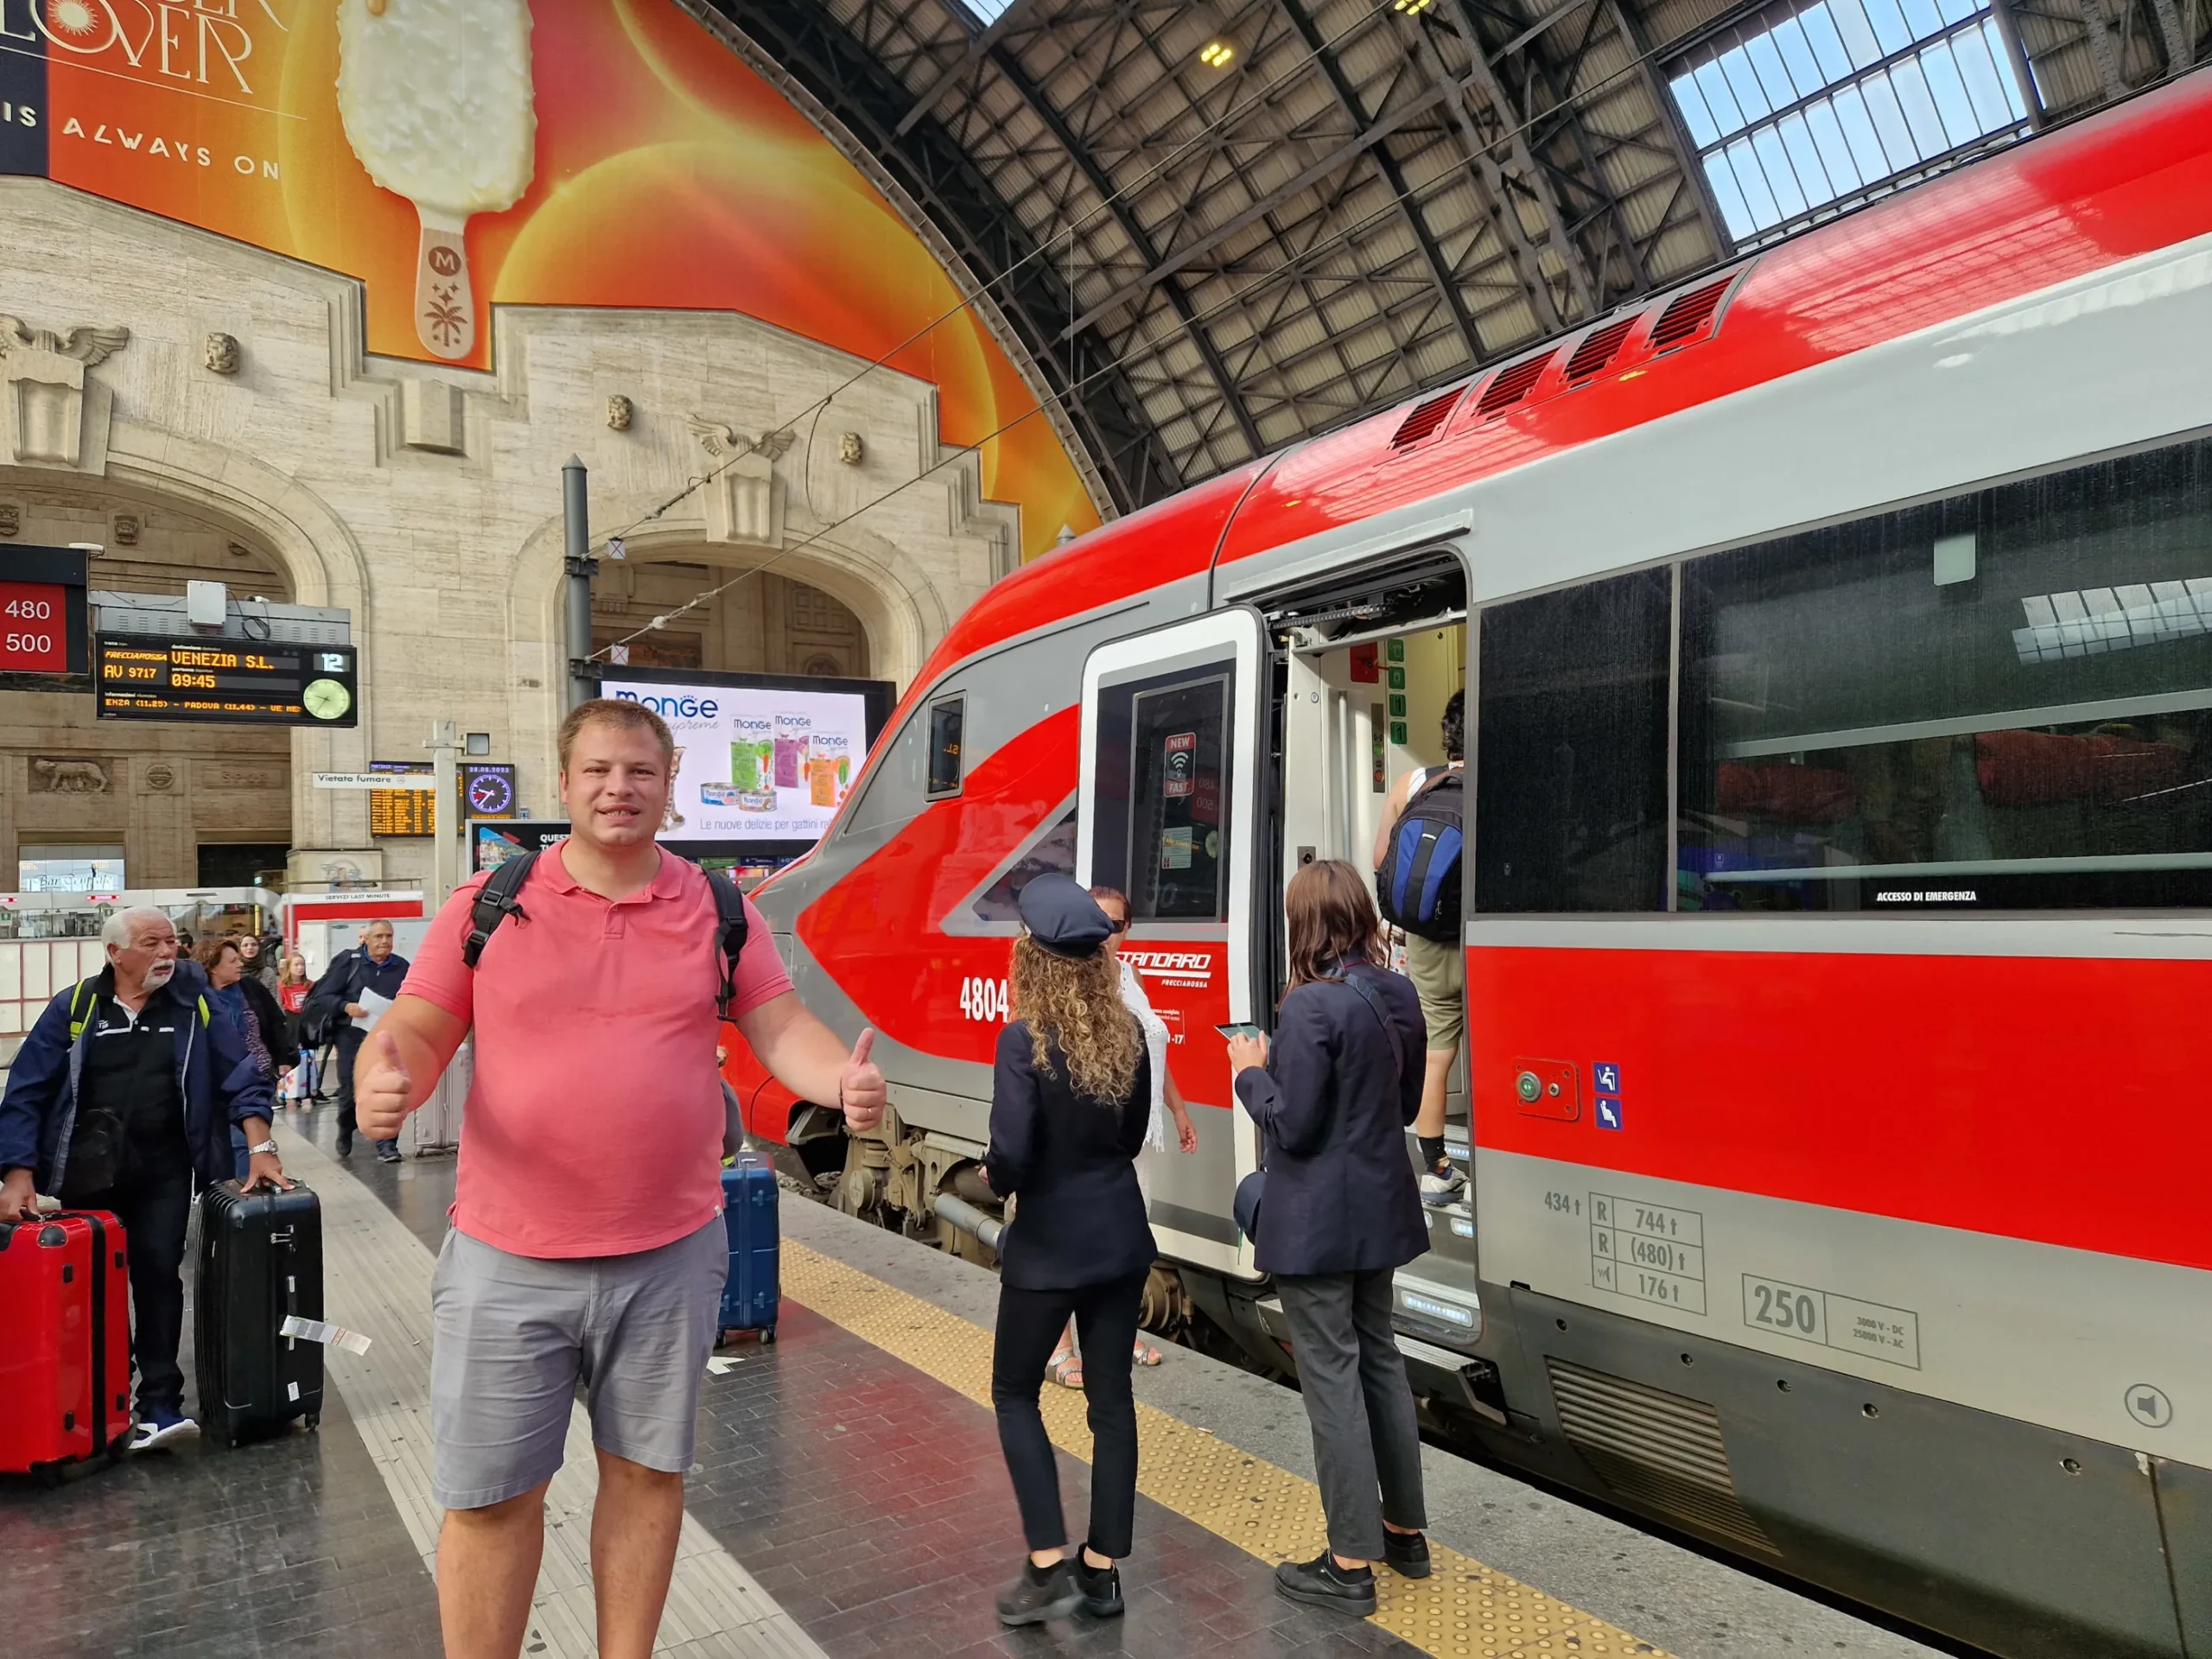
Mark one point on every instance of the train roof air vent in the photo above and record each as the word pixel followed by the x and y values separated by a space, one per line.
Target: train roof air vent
pixel 1426 419
pixel 1598 347
pixel 1511 385
pixel 1689 316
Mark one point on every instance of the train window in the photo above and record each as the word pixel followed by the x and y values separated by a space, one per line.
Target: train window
pixel 1571 749
pixel 1053 850
pixel 946 719
pixel 1161 831
pixel 1999 701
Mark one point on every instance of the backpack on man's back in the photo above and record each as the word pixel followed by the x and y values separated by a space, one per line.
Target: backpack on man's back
pixel 1417 885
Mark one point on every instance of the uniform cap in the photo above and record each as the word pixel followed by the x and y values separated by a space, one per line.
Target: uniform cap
pixel 1061 918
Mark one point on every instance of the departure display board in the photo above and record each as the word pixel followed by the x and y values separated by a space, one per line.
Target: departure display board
pixel 403 812
pixel 224 682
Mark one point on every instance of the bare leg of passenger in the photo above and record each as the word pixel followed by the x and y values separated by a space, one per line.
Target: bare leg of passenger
pixel 487 1569
pixel 1434 1080
pixel 634 1528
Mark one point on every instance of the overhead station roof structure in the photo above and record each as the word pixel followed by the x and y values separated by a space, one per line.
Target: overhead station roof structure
pixel 1214 227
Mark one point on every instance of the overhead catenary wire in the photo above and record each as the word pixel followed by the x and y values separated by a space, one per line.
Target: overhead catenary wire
pixel 1393 203
pixel 1069 232
pixel 1382 11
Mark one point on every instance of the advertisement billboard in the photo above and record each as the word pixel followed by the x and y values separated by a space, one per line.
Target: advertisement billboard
pixel 454 154
pixel 763 761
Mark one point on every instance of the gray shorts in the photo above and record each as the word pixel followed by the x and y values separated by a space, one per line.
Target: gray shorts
pixel 516 1334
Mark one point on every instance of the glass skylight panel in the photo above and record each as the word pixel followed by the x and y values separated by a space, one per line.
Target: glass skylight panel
pixel 1810 105
pixel 985 12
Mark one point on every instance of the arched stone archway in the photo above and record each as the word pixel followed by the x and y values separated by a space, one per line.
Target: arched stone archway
pixel 173 797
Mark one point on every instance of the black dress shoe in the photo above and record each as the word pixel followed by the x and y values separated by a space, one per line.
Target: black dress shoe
pixel 345 1147
pixel 1405 1554
pixel 1100 1588
pixel 1040 1594
pixel 1321 1583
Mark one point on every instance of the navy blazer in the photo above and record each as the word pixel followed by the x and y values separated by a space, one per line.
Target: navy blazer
pixel 1081 1220
pixel 216 1079
pixel 1334 1106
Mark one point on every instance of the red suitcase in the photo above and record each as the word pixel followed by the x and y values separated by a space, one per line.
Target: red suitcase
pixel 65 1341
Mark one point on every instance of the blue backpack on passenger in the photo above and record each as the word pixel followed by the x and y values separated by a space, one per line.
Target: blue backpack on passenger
pixel 1418 886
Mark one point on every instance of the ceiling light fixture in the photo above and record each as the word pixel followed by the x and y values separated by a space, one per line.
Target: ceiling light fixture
pixel 1413 8
pixel 1216 54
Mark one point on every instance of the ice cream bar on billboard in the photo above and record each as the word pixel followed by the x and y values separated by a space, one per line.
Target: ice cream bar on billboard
pixel 437 102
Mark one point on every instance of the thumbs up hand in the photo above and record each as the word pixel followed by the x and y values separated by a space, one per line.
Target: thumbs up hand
pixel 382 1088
pixel 860 1091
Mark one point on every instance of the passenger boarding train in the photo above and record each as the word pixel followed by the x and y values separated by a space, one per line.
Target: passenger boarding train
pixel 1836 632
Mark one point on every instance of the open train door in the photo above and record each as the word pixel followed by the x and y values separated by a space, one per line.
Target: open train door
pixel 1169 813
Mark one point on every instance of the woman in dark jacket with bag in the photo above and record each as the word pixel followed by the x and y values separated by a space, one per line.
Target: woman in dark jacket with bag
pixel 1340 1212
pixel 1070 1101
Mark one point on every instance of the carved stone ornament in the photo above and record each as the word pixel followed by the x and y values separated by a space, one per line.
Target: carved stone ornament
pixel 220 352
pixel 850 449
pixel 11 519
pixel 619 413
pixel 57 774
pixel 160 776
pixel 42 374
pixel 127 526
pixel 723 442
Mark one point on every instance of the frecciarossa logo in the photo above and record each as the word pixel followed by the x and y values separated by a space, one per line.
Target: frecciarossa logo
pixel 1193 968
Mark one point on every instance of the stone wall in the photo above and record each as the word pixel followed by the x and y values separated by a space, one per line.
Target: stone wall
pixel 426 500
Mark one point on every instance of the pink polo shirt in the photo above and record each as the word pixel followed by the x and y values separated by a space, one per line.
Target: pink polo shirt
pixel 595 1123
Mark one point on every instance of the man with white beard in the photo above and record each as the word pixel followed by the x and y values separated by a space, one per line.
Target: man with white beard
pixel 125 1090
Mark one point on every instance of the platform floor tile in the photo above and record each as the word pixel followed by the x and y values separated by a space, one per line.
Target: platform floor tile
pixel 1464 1610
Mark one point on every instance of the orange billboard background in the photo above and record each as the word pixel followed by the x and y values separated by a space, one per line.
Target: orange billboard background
pixel 662 173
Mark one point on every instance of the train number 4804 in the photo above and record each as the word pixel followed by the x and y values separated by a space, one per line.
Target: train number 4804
pixel 983 999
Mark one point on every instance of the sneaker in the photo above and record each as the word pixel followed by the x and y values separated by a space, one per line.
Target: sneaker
pixel 1441 1186
pixel 1321 1583
pixel 345 1144
pixel 161 1428
pixel 1405 1554
pixel 1040 1594
pixel 387 1151
pixel 1100 1588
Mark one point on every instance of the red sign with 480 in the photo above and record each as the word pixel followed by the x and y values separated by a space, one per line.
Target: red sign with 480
pixel 34 635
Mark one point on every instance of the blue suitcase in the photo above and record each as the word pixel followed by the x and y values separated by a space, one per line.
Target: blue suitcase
pixel 752 1295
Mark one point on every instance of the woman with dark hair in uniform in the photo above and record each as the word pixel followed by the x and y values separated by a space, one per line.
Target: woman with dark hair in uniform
pixel 1071 1102
pixel 1340 1214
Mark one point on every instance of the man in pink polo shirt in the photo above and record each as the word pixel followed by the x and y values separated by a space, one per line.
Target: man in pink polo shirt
pixel 586 1243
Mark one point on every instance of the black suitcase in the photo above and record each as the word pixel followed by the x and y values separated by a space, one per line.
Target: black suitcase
pixel 260 1260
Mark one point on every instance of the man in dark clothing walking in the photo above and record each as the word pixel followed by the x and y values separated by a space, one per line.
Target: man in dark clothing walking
pixel 128 1086
pixel 372 966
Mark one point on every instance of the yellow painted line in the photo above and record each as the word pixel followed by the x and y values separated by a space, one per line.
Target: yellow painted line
pixel 1462 1611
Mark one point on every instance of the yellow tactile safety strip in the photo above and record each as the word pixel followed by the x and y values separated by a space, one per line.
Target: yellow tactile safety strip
pixel 1464 1610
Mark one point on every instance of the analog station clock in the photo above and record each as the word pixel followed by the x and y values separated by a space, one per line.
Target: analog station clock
pixel 491 793
pixel 325 699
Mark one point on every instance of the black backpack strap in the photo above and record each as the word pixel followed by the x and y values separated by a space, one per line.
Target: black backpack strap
pixel 732 929
pixel 496 900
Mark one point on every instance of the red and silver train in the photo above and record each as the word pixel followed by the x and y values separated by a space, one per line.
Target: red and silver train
pixel 1836 632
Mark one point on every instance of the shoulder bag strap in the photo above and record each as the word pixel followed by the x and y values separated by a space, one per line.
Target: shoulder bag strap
pixel 495 901
pixel 1367 996
pixel 732 927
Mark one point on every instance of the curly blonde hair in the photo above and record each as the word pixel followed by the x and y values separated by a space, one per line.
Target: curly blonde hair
pixel 1076 1005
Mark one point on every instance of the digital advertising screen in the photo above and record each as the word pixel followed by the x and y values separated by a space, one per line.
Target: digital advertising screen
pixel 763 761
